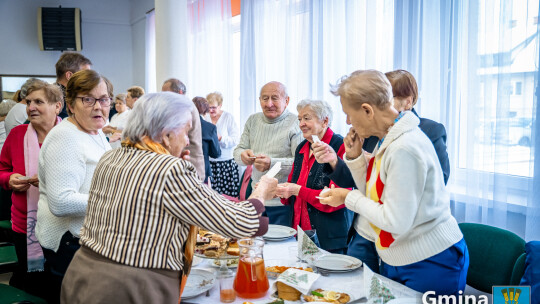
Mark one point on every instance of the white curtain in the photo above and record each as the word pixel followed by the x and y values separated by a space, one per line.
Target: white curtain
pixel 476 63
pixel 309 44
pixel 150 56
pixel 210 55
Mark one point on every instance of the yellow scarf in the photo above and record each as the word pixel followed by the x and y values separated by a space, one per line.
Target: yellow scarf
pixel 148 144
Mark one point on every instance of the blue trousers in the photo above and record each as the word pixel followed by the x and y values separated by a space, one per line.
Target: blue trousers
pixel 365 251
pixel 279 215
pixel 445 273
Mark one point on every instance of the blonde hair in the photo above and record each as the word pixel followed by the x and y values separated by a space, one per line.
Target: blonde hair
pixel 365 86
pixel 52 92
pixel 215 97
pixel 121 97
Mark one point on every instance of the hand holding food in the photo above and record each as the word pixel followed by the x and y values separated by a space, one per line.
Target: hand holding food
pixel 334 197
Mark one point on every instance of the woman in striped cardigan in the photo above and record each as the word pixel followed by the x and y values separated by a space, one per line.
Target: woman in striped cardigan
pixel 145 203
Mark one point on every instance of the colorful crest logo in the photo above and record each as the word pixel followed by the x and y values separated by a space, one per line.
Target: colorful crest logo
pixel 511 294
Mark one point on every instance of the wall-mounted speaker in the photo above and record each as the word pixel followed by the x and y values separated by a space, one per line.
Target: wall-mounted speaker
pixel 59 29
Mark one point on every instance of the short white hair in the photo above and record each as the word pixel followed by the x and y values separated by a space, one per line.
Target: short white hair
pixel 320 107
pixel 5 106
pixel 157 113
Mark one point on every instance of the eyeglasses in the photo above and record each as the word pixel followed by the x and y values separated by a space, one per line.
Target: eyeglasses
pixel 212 108
pixel 91 101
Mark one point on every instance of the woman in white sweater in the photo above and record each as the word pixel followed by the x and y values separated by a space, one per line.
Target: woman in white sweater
pixel 401 201
pixel 67 161
pixel 225 175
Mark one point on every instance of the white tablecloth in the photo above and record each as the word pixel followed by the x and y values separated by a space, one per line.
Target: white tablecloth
pixel 279 250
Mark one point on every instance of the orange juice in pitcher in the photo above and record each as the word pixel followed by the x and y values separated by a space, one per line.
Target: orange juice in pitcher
pixel 251 281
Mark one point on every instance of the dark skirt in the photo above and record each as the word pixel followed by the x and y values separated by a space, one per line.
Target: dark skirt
pixel 92 278
pixel 225 177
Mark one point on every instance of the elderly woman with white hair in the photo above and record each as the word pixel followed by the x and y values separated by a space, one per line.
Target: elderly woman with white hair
pixel 118 121
pixel 308 178
pixel 144 233
pixel 401 201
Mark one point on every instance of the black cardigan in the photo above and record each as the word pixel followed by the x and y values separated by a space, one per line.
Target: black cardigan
pixel 332 228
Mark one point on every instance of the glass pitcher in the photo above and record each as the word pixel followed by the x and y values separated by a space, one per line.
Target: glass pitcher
pixel 251 281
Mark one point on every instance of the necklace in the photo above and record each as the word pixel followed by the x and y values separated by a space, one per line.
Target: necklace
pixel 102 145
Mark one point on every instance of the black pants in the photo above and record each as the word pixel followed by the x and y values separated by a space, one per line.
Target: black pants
pixel 57 263
pixel 279 215
pixel 34 283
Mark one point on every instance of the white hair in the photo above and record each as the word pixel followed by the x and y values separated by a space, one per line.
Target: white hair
pixel 157 113
pixel 320 107
pixel 5 106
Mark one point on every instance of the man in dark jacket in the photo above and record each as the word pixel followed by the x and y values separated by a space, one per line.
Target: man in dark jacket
pixel 210 141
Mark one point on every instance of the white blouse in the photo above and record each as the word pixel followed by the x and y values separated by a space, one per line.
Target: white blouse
pixel 230 135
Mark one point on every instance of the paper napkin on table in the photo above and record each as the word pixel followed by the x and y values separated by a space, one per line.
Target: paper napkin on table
pixel 307 250
pixel 299 279
pixel 376 285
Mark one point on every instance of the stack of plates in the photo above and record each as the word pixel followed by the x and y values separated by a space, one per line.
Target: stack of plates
pixel 278 233
pixel 337 263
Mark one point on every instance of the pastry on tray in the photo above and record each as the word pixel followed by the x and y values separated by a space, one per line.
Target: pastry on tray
pixel 214 245
pixel 329 296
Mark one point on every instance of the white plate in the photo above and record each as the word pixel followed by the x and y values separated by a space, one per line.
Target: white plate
pixel 196 261
pixel 278 232
pixel 224 256
pixel 337 262
pixel 217 263
pixel 276 240
pixel 198 282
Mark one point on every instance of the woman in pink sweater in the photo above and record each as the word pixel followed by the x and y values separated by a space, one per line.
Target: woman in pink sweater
pixel 18 172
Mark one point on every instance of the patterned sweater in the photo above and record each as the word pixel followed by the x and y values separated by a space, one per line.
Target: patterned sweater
pixel 402 201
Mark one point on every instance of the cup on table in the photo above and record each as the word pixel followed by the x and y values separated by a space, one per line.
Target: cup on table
pixel 227 294
pixel 375 300
pixel 293 252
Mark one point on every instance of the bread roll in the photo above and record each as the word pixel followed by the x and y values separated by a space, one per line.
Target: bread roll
pixel 287 292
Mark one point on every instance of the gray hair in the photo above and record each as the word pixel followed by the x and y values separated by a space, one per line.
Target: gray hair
pixel 26 85
pixel 320 107
pixel 5 106
pixel 121 97
pixel 365 86
pixel 176 85
pixel 157 113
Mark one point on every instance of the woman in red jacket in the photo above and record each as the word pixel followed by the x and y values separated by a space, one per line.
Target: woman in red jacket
pixel 18 172
pixel 308 178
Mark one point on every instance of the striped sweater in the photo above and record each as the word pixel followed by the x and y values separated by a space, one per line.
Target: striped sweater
pixel 142 204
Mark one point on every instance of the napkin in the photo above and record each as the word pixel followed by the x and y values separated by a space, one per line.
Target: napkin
pixel 274 170
pixel 376 285
pixel 299 279
pixel 307 250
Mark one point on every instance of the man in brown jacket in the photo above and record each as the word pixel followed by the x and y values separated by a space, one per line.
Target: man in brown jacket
pixel 195 136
